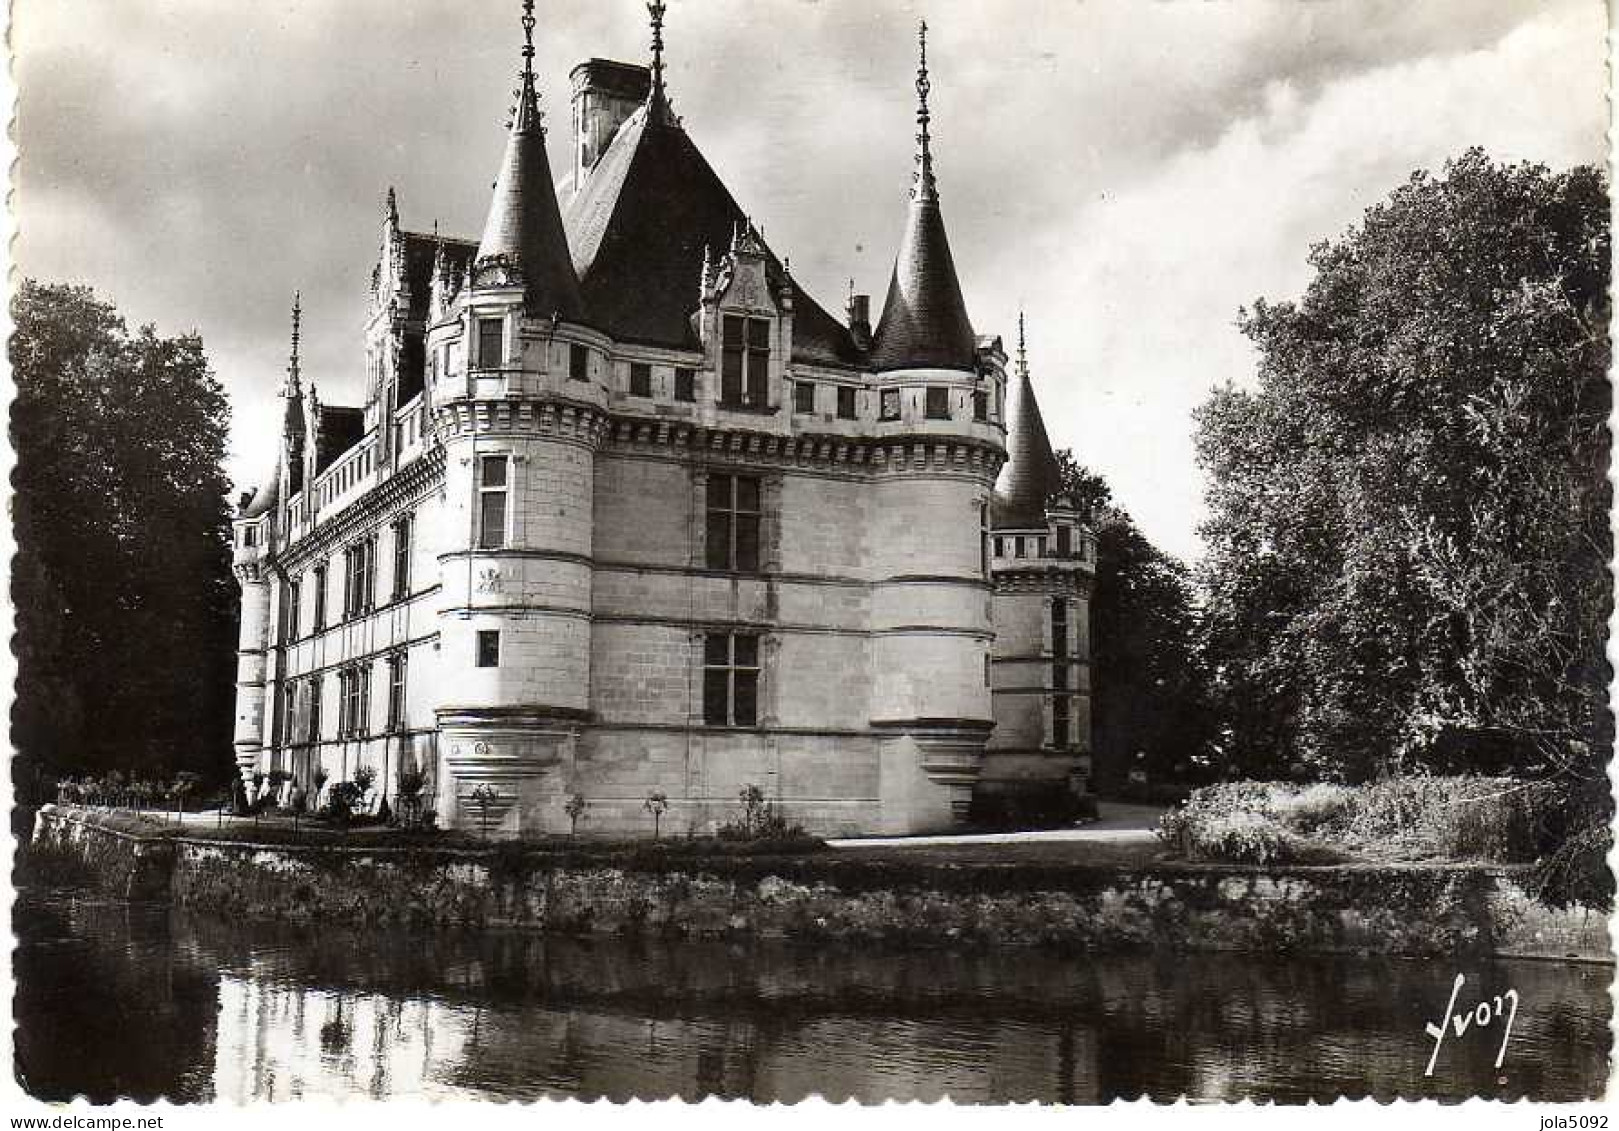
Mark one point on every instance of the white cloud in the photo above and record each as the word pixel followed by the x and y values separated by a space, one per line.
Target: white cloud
pixel 1133 298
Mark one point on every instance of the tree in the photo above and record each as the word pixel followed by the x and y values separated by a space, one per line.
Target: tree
pixel 125 605
pixel 1408 538
pixel 1147 700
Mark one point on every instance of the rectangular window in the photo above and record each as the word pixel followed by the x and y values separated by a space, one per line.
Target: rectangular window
pixel 312 734
pixel 730 679
pixel 1060 729
pixel 362 712
pixel 640 379
pixel 1040 546
pixel 1017 547
pixel 402 533
pixel 1000 547
pixel 733 523
pixel 1065 541
pixel 845 403
pixel 980 406
pixel 745 361
pixel 758 395
pixel 360 578
pixel 685 384
pixel 294 599
pixel 491 502
pixel 890 404
pixel 489 648
pixel 804 396
pixel 320 598
pixel 491 342
pixel 938 402
pixel 1059 628
pixel 578 363
pixel 397 666
pixel 289 712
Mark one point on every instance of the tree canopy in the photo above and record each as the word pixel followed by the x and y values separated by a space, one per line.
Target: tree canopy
pixel 1408 540
pixel 125 605
pixel 1147 685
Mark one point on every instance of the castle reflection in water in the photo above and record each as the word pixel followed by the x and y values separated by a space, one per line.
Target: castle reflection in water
pixel 233 1011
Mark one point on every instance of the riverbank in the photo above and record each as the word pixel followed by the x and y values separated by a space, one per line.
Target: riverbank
pixel 680 889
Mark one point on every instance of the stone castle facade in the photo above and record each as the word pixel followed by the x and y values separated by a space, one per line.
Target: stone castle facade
pixel 626 511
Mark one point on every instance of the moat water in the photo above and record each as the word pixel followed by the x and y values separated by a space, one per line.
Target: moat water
pixel 117 999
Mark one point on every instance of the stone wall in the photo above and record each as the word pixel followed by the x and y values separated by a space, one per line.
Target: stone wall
pixel 837 894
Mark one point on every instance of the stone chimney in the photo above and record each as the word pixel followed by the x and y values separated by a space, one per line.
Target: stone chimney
pixel 860 319
pixel 604 94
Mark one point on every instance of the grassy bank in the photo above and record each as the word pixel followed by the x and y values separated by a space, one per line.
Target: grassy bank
pixel 1414 820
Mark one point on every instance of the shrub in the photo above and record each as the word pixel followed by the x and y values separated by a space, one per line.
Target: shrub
pixel 761 820
pixel 1492 820
pixel 365 777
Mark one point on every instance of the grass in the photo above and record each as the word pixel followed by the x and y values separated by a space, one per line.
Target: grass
pixel 1455 819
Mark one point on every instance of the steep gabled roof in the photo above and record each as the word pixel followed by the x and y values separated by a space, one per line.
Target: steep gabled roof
pixel 420 248
pixel 340 429
pixel 924 324
pixel 1030 475
pixel 637 228
pixel 524 226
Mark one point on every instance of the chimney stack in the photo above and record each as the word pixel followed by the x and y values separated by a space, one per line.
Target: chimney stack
pixel 605 92
pixel 860 319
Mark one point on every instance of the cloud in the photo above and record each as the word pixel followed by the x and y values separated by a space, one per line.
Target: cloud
pixel 1129 172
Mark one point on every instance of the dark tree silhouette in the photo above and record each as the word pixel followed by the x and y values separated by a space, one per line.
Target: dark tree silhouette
pixel 125 604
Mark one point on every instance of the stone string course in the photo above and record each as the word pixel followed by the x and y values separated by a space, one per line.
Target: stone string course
pixel 1416 911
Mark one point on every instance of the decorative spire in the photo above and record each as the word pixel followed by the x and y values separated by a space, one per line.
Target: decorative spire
pixel 527 115
pixel 523 239
pixel 657 96
pixel 924 324
pixel 390 209
pixel 1030 474
pixel 925 188
pixel 292 360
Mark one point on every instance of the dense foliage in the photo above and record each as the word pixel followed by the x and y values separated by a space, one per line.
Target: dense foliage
pixel 125 606
pixel 1148 708
pixel 1398 820
pixel 1409 539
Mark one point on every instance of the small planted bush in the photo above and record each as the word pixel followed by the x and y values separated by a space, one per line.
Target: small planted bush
pixel 761 819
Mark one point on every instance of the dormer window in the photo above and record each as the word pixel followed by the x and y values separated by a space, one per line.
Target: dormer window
pixel 745 362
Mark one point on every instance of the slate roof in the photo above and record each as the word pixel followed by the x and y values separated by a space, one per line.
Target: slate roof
pixel 265 497
pixel 340 429
pixel 924 323
pixel 637 228
pixel 1030 475
pixel 525 224
pixel 420 248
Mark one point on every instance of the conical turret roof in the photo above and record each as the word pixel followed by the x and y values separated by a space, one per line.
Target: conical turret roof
pixel 1030 475
pixel 924 324
pixel 524 228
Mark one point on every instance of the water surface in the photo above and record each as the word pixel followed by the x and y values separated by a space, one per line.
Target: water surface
pixel 117 999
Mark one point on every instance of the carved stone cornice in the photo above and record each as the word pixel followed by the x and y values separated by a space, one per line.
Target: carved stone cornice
pixel 571 420
pixel 367 511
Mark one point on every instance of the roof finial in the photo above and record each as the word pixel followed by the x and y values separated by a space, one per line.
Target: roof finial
pixel 291 389
pixel 657 96
pixel 1022 348
pixel 925 188
pixel 391 208
pixel 527 114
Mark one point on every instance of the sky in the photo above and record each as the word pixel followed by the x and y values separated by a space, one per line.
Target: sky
pixel 1130 173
